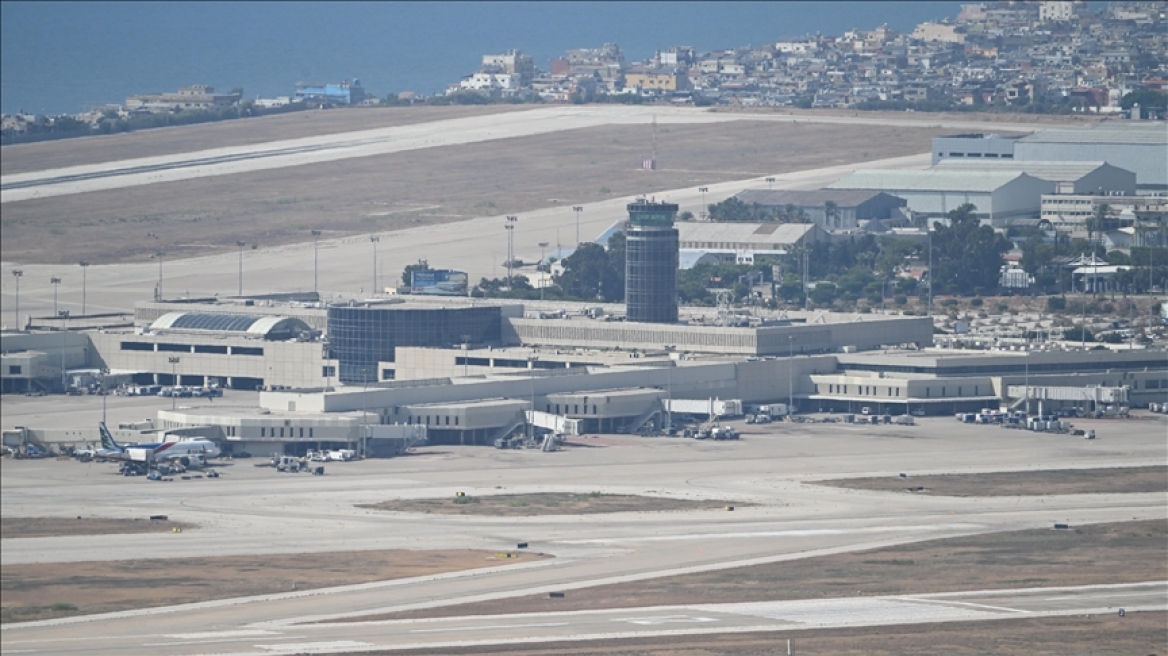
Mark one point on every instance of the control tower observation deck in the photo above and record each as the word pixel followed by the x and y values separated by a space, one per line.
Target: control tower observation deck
pixel 651 262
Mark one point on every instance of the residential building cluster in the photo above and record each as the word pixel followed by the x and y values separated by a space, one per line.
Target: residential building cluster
pixel 994 53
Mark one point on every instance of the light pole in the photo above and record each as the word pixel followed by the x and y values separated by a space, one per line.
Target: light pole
pixel 315 241
pixel 240 244
pixel 540 269
pixel 790 375
pixel 511 219
pixel 770 183
pixel 173 360
pixel 577 209
pixel 531 360
pixel 55 281
pixel 159 255
pixel 929 229
pixel 101 382
pixel 64 386
pixel 373 239
pixel 17 273
pixel 364 409
pixel 84 265
pixel 705 208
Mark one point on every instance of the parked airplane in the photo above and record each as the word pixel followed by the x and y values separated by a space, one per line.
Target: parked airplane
pixel 181 450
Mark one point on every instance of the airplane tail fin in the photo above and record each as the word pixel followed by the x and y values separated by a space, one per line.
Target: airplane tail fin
pixel 107 439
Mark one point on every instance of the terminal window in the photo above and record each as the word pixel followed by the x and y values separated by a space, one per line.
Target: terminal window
pixel 13 369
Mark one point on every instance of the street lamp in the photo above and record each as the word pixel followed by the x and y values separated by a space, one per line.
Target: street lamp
pixel 240 244
pixel 373 239
pixel 315 236
pixel 101 382
pixel 577 209
pixel 531 360
pixel 55 281
pixel 17 273
pixel 511 219
pixel 770 183
pixel 158 256
pixel 790 375
pixel 173 360
pixel 84 265
pixel 703 191
pixel 539 269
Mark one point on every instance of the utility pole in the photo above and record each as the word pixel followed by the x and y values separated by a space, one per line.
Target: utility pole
pixel 240 244
pixel 374 239
pixel 577 209
pixel 17 273
pixel 315 243
pixel 159 255
pixel 540 269
pixel 84 265
pixel 790 375
pixel 930 231
pixel 55 282
pixel 531 360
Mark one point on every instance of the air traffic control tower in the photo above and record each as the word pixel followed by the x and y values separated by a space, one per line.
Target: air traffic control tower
pixel 651 262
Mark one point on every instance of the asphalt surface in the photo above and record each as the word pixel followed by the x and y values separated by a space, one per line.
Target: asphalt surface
pixel 252 510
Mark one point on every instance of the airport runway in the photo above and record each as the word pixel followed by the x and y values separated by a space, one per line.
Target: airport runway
pixel 252 510
pixel 380 141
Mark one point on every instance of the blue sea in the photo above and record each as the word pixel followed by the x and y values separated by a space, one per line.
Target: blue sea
pixel 63 57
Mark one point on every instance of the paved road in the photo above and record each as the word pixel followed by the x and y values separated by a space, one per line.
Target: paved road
pixel 251 510
pixel 294 636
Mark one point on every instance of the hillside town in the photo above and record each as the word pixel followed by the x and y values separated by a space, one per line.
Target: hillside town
pixel 1041 57
pixel 1029 56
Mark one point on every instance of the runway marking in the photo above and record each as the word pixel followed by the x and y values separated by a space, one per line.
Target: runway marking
pixel 219 634
pixel 945 602
pixel 767 534
pixel 1129 594
pixel 666 619
pixel 479 628
pixel 318 647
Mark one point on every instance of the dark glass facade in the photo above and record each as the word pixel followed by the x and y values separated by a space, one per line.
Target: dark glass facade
pixel 651 263
pixel 360 337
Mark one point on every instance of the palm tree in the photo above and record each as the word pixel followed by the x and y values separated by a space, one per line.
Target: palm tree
pixel 829 218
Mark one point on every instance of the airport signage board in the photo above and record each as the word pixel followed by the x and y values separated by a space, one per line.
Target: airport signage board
pixel 444 282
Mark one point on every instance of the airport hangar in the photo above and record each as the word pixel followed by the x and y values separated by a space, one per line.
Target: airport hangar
pixel 383 373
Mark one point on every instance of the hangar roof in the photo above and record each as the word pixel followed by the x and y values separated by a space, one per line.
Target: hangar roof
pixel 263 326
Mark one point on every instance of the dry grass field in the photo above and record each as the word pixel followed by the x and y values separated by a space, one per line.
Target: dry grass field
pixel 525 505
pixel 43 527
pixel 32 592
pixel 1009 484
pixel 435 185
pixel 1128 552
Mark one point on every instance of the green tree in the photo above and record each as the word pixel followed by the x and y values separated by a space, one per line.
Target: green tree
pixel 966 254
pixel 734 210
pixel 589 274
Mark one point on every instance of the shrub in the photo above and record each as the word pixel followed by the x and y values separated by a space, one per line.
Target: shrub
pixel 977 302
pixel 900 299
pixel 1056 303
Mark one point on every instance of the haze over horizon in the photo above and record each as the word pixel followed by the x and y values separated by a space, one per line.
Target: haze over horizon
pixel 65 57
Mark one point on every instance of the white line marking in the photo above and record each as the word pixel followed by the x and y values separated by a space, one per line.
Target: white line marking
pixel 946 602
pixel 1112 596
pixel 219 634
pixel 666 619
pixel 481 628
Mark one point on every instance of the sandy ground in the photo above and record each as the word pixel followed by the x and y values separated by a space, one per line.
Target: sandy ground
pixel 1096 554
pixel 433 185
pixel 1008 484
pixel 1099 635
pixel 31 591
pixel 526 505
pixel 41 527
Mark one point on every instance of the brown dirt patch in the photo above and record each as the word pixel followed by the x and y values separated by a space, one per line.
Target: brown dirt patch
pixel 41 591
pixel 1128 552
pixel 1008 484
pixel 22 158
pixel 524 505
pixel 423 187
pixel 43 527
pixel 1102 635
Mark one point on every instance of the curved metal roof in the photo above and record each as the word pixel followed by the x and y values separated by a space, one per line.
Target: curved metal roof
pixel 233 323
